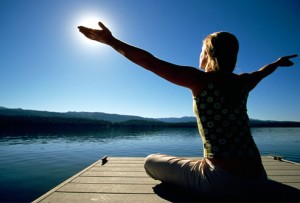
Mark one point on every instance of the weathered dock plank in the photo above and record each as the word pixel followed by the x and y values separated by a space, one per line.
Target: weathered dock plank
pixel 107 188
pixel 97 197
pixel 119 180
pixel 115 173
pixel 123 179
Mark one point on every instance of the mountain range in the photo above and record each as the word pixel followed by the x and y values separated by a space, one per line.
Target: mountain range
pixel 19 117
pixel 115 118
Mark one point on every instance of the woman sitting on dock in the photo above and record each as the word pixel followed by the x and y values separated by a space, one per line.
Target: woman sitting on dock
pixel 232 163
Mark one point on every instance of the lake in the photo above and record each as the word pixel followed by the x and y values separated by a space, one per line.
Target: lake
pixel 33 163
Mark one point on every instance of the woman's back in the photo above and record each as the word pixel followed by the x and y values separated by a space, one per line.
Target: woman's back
pixel 220 108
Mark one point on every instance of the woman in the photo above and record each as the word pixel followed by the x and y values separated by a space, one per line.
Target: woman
pixel 232 163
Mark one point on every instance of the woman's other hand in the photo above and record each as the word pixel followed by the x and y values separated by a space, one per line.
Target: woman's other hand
pixel 285 60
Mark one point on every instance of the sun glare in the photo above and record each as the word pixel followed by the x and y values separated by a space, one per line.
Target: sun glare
pixel 90 21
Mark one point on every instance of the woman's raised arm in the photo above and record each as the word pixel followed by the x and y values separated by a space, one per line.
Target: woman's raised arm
pixel 255 77
pixel 179 75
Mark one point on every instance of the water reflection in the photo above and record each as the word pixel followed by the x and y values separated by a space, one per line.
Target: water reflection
pixel 32 163
pixel 99 136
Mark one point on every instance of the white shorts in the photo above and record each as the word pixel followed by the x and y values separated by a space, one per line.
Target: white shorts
pixel 200 176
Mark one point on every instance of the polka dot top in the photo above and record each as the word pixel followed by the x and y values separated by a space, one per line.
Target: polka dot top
pixel 223 123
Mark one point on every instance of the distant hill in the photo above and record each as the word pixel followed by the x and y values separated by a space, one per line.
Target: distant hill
pixel 184 119
pixel 20 118
pixel 106 116
pixel 86 115
pixel 259 123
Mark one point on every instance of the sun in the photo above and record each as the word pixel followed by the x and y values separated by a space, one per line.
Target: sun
pixel 90 20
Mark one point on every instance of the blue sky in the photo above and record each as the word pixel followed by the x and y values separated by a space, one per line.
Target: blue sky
pixel 47 65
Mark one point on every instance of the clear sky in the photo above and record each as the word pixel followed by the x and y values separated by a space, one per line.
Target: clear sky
pixel 46 64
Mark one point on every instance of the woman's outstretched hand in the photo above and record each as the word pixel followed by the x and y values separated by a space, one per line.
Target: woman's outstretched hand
pixel 103 36
pixel 285 60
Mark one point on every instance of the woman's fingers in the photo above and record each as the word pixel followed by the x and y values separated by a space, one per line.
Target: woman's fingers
pixel 292 56
pixel 102 26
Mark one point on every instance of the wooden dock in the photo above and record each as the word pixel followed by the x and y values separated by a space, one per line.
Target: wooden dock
pixel 123 179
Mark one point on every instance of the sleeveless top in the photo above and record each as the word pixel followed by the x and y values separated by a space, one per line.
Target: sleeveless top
pixel 223 122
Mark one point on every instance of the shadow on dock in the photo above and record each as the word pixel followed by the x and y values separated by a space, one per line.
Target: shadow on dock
pixel 271 192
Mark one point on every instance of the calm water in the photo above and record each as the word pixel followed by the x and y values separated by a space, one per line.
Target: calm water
pixel 32 164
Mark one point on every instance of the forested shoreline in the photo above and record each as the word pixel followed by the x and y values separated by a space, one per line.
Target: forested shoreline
pixel 40 123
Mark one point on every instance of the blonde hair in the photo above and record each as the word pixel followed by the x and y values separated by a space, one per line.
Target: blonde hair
pixel 221 49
